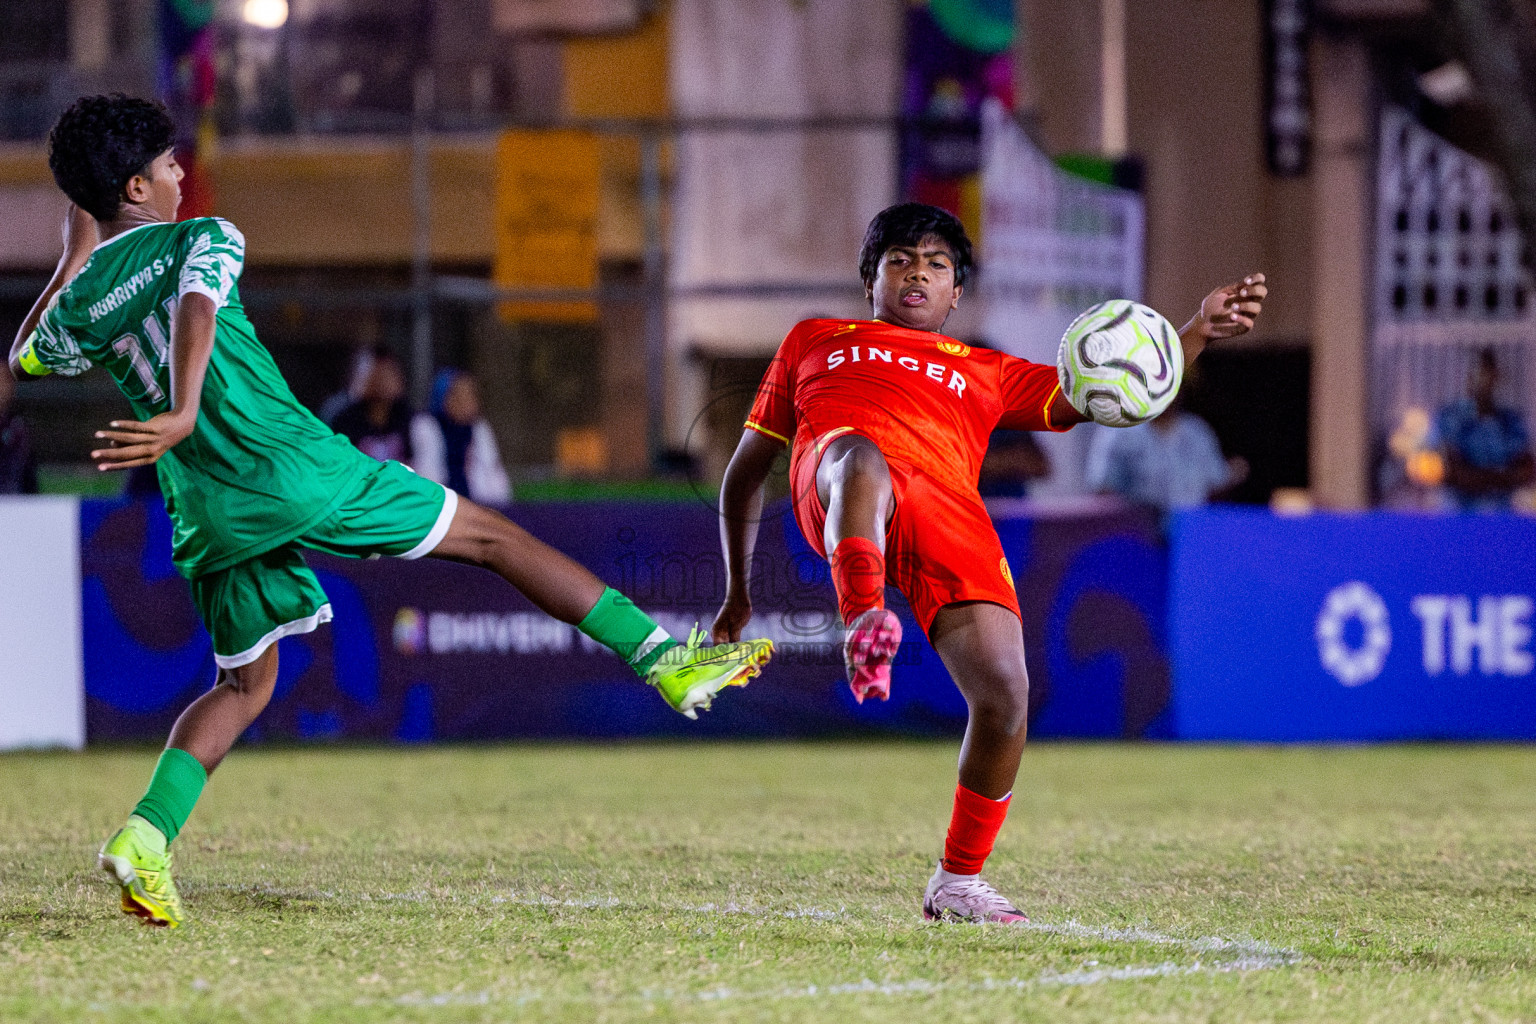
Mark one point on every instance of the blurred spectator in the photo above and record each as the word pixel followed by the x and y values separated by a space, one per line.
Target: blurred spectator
pixel 1410 469
pixel 18 467
pixel 1013 459
pixel 1486 448
pixel 1171 463
pixel 453 444
pixel 379 421
pixel 357 382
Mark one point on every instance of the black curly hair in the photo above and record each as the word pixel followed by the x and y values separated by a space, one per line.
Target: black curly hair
pixel 909 224
pixel 101 142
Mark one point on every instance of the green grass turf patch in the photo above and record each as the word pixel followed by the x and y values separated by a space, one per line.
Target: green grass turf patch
pixel 782 882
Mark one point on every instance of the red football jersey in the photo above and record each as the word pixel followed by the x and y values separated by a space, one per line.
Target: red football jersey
pixel 923 398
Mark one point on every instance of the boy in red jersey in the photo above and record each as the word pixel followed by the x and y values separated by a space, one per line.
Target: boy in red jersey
pixel 888 422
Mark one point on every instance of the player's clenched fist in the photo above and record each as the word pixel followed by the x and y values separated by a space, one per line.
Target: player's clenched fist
pixel 734 615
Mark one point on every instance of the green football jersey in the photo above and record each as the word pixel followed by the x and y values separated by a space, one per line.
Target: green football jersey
pixel 259 469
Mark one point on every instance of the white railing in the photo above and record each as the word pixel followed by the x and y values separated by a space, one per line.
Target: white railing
pixel 1452 277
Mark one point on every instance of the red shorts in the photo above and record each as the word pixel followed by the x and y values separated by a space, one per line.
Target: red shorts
pixel 940 546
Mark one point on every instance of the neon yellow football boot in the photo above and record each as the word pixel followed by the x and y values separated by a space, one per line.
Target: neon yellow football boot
pixel 137 859
pixel 689 675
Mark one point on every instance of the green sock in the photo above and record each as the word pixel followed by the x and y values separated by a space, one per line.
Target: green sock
pixel 627 631
pixel 173 791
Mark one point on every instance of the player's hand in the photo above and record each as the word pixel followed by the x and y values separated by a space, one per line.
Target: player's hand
pixel 134 443
pixel 732 619
pixel 1231 310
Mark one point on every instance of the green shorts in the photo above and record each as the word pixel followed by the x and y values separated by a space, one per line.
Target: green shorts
pixel 253 604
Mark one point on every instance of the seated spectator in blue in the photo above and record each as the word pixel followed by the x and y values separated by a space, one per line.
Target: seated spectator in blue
pixel 1487 450
pixel 379 421
pixel 1171 463
pixel 453 444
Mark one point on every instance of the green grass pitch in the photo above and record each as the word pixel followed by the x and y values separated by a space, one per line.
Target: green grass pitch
pixel 782 882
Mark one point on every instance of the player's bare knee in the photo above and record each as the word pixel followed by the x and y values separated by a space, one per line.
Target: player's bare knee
pixel 1002 704
pixel 476 534
pixel 862 464
pixel 860 474
pixel 1002 718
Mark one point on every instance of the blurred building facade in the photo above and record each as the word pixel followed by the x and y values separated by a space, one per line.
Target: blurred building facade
pixel 1302 139
pixel 739 150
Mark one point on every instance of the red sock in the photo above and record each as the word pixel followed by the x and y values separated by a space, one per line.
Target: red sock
pixel 973 828
pixel 858 576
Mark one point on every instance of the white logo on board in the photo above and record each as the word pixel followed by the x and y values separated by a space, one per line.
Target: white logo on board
pixel 1496 627
pixel 1345 603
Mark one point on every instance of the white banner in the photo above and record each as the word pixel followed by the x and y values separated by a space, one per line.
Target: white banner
pixel 42 681
pixel 1052 244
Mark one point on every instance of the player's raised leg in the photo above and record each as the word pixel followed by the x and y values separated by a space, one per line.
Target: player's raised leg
pixel 853 482
pixel 138 856
pixel 687 675
pixel 982 645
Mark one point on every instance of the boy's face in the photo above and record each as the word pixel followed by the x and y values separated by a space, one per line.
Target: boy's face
pixel 915 285
pixel 462 402
pixel 156 191
pixel 386 384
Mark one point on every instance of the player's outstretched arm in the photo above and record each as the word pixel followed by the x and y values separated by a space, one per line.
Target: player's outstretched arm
pixel 1225 313
pixel 135 443
pixel 80 237
pixel 741 509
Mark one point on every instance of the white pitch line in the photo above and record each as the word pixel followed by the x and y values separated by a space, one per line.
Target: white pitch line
pixel 1248 948
pixel 867 986
pixel 1237 954
pixel 1163 970
pixel 921 986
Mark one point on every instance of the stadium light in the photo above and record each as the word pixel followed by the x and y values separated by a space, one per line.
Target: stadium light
pixel 265 13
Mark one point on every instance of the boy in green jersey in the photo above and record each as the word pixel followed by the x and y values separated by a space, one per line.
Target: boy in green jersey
pixel 250 477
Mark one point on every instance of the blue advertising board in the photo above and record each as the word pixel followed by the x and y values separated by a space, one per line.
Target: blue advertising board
pixel 427 650
pixel 1371 626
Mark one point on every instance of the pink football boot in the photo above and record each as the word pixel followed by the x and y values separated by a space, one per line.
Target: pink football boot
pixel 869 645
pixel 968 898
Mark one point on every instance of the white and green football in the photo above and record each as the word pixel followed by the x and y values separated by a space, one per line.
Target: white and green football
pixel 1120 363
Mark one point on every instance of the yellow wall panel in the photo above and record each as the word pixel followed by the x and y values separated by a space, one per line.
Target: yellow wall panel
pixel 548 187
pixel 24 165
pixel 619 76
pixel 350 202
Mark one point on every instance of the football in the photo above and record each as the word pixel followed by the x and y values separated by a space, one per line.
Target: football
pixel 1120 363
